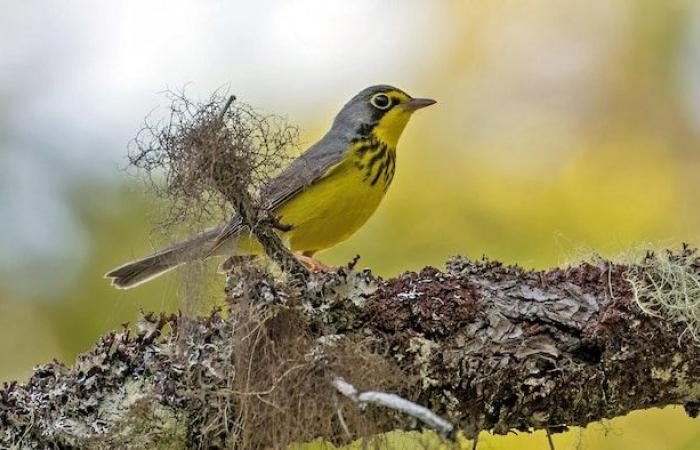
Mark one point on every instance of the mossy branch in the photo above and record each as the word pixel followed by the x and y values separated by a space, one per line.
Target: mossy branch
pixel 483 345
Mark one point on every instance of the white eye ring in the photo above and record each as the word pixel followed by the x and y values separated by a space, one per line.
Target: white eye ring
pixel 381 101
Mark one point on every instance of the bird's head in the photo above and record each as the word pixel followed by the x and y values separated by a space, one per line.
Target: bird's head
pixel 382 111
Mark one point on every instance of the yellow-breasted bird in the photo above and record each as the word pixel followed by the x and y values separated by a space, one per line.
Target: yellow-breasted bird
pixel 325 195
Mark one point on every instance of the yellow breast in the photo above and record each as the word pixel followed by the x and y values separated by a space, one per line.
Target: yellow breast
pixel 335 207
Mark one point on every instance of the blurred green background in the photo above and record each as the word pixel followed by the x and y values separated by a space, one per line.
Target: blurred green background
pixel 562 128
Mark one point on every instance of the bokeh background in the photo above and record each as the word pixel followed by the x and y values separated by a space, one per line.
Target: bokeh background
pixel 563 127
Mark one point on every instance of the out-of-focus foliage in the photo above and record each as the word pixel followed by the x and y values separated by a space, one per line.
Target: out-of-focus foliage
pixel 639 430
pixel 561 128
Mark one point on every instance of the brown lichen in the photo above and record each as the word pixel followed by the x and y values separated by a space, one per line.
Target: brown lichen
pixel 430 302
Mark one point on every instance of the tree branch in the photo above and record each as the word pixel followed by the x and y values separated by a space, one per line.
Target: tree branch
pixel 483 345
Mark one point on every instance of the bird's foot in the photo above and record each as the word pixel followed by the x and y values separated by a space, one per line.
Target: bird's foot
pixel 312 264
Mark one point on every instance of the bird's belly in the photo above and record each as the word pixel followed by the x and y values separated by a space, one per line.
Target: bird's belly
pixel 331 210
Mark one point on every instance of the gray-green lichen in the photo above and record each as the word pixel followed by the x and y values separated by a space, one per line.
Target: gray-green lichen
pixel 422 350
pixel 667 285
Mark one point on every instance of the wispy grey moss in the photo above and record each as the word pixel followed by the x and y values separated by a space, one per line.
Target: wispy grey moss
pixel 667 285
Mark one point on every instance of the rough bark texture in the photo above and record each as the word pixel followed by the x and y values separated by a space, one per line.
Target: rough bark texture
pixel 487 346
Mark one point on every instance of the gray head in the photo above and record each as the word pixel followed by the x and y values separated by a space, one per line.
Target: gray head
pixel 380 106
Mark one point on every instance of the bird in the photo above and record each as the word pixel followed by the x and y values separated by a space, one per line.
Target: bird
pixel 323 197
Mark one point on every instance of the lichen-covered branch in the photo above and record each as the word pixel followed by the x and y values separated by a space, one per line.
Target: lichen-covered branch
pixel 483 345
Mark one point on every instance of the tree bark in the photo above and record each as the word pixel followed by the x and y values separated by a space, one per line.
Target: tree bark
pixel 483 345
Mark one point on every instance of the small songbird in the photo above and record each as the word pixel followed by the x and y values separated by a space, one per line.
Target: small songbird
pixel 324 196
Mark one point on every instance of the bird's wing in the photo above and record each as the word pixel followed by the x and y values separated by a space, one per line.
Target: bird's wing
pixel 313 165
pixel 304 171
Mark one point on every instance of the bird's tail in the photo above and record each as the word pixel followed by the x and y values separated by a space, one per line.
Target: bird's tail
pixel 142 270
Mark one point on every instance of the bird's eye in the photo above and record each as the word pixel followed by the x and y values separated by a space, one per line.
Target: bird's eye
pixel 381 101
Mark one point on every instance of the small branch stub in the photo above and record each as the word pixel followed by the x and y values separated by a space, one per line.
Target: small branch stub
pixel 397 403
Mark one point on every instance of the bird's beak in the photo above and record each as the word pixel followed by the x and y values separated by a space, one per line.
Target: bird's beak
pixel 418 103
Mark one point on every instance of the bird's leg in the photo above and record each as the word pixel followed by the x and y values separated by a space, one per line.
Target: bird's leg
pixel 313 264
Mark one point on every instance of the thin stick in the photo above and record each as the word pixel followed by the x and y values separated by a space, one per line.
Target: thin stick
pixel 343 424
pixel 227 105
pixel 549 439
pixel 398 403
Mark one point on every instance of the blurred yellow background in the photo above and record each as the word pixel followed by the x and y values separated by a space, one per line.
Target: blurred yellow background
pixel 561 128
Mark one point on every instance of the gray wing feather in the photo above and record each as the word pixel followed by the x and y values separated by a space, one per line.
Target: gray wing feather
pixel 304 171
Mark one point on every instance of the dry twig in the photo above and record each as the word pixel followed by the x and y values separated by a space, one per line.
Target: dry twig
pixel 393 401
